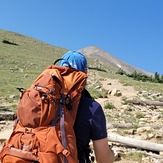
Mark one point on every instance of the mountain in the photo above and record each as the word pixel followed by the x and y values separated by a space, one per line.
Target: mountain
pixel 33 45
pixel 129 105
pixel 108 59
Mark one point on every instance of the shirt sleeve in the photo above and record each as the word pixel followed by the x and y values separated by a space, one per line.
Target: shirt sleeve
pixel 98 124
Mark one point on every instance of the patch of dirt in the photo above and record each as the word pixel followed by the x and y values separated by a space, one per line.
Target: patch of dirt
pixel 110 84
pixel 6 129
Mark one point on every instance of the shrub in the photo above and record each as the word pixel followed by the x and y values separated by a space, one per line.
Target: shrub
pixel 109 106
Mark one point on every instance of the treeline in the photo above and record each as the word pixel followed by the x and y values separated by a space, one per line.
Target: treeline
pixel 138 76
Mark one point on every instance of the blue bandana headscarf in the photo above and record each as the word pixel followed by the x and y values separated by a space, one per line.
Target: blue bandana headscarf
pixel 75 59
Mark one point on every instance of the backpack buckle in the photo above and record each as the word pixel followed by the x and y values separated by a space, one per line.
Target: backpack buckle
pixel 63 99
pixel 65 152
pixel 28 130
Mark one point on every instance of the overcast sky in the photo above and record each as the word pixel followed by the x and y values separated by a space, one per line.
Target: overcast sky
pixel 130 30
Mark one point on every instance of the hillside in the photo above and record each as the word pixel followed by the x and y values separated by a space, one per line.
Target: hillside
pixel 22 58
pixel 110 60
pixel 129 106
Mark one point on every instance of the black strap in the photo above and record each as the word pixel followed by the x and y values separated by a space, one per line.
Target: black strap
pixel 62 59
pixel 20 89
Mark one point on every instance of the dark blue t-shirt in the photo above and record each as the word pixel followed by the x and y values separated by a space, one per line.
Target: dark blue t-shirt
pixel 90 124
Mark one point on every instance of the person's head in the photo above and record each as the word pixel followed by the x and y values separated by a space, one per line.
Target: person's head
pixel 76 60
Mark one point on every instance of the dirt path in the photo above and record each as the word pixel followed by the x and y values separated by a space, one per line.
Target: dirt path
pixel 110 84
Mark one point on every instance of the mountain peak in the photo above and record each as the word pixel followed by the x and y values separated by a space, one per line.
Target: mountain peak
pixel 108 59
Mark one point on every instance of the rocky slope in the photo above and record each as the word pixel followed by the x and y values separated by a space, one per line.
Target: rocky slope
pixel 97 53
pixel 137 121
pixel 141 122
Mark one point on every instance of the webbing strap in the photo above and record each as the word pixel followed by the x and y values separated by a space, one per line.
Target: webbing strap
pixel 60 114
pixel 56 118
pixel 62 123
pixel 62 128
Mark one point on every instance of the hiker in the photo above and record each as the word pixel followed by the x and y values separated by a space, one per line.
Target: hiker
pixel 90 122
pixel 46 114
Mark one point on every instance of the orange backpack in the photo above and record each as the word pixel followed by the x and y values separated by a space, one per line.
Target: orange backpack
pixel 46 114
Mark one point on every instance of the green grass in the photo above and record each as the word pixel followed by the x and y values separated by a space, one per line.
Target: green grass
pixel 20 64
pixel 97 93
pixel 139 115
pixel 135 156
pixel 126 81
pixel 109 106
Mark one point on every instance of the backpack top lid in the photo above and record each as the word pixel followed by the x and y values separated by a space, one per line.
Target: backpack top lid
pixel 75 59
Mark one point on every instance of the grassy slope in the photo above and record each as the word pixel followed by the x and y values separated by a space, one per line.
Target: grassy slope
pixel 20 65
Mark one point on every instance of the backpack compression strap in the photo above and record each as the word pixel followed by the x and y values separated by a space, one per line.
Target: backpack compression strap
pixel 60 114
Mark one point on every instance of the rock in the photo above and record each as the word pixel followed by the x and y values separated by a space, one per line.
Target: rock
pixel 98 87
pixel 144 129
pixel 26 75
pixel 7 115
pixel 115 92
pixel 12 96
